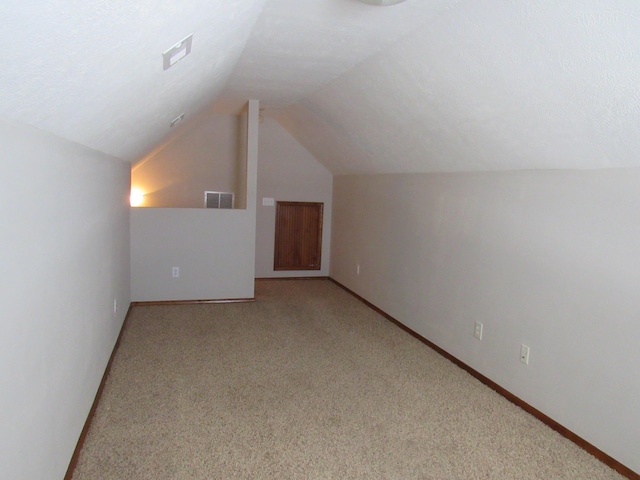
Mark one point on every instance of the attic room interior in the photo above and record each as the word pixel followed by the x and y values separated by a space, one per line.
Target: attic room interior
pixel 478 162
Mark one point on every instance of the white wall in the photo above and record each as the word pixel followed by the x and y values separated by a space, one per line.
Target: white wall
pixel 65 259
pixel 550 259
pixel 211 247
pixel 242 137
pixel 288 172
pixel 202 158
pixel 214 249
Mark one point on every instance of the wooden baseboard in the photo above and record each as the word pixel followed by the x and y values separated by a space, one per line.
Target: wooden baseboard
pixel 192 302
pixel 83 435
pixel 593 450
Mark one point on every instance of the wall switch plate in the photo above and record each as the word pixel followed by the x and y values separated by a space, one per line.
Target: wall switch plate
pixel 477 330
pixel 115 306
pixel 524 354
pixel 268 202
pixel 357 269
pixel 175 272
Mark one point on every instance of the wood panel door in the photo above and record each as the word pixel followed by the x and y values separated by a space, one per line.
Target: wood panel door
pixel 298 236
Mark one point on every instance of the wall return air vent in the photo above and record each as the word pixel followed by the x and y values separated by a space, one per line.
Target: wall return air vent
pixel 218 200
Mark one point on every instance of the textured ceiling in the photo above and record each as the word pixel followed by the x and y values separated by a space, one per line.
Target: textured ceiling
pixel 298 46
pixel 91 71
pixel 488 85
pixel 426 85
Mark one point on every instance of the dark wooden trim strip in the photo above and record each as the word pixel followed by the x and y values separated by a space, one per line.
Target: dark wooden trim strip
pixel 83 435
pixel 192 302
pixel 292 278
pixel 581 442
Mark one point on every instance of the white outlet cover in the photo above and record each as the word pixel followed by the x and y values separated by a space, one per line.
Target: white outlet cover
pixel 524 354
pixel 477 332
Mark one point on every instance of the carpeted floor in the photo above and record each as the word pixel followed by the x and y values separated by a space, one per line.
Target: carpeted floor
pixel 305 383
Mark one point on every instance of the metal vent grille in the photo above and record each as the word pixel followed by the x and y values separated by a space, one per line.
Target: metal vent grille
pixel 218 200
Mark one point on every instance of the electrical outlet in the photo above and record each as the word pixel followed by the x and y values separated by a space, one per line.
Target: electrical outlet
pixel 524 354
pixel 357 269
pixel 477 330
pixel 175 272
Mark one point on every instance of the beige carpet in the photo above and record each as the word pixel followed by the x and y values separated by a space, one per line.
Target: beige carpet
pixel 306 383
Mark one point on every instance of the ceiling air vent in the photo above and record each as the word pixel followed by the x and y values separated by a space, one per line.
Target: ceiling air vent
pixel 218 200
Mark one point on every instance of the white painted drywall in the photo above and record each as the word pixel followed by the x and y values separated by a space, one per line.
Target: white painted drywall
pixel 65 259
pixel 335 36
pixel 550 259
pixel 242 137
pixel 94 73
pixel 202 158
pixel 487 85
pixel 288 172
pixel 211 247
pixel 214 249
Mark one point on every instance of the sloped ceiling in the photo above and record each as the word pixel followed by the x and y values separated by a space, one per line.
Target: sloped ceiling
pixel 298 46
pixel 91 71
pixel 426 85
pixel 488 85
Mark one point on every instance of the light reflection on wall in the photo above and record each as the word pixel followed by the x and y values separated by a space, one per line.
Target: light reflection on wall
pixel 137 197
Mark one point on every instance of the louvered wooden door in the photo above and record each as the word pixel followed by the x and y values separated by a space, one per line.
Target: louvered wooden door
pixel 298 236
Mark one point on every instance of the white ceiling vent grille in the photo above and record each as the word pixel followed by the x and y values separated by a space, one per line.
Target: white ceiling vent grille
pixel 218 200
